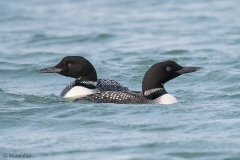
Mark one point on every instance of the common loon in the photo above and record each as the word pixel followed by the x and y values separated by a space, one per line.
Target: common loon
pixel 153 91
pixel 86 82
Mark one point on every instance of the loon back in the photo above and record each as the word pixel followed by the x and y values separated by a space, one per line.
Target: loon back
pixel 110 85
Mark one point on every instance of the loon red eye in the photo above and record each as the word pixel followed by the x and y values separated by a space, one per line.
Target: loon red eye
pixel 168 69
pixel 69 65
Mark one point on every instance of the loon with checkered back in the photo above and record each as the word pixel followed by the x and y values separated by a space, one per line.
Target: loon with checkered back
pixel 153 91
pixel 86 82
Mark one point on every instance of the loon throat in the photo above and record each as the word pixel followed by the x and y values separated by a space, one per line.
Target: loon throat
pixel 154 93
pixel 86 84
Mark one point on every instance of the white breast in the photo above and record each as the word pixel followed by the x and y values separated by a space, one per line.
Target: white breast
pixel 166 99
pixel 78 92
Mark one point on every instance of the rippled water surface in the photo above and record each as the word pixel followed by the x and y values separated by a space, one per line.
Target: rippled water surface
pixel 122 39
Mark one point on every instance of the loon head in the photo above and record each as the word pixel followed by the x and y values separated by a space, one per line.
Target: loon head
pixel 75 67
pixel 160 73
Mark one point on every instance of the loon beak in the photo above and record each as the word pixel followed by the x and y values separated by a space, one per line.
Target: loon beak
pixel 49 70
pixel 185 70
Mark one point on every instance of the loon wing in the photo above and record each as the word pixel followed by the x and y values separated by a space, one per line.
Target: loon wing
pixel 110 85
pixel 125 97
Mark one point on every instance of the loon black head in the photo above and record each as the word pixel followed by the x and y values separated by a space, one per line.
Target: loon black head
pixel 75 67
pixel 160 73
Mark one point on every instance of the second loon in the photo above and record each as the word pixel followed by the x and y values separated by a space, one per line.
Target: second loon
pixel 153 91
pixel 86 82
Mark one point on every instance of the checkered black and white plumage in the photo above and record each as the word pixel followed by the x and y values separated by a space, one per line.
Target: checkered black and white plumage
pixel 110 85
pixel 122 97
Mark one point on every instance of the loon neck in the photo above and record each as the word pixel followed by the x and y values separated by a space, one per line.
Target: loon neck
pixel 86 84
pixel 154 93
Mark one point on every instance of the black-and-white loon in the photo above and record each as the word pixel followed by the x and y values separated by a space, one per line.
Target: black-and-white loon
pixel 153 91
pixel 86 82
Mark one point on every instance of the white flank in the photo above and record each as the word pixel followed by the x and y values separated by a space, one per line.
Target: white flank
pixel 78 92
pixel 166 99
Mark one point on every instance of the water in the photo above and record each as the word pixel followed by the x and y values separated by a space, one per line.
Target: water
pixel 122 39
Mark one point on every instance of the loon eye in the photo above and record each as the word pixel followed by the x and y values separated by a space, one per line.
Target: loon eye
pixel 69 65
pixel 168 69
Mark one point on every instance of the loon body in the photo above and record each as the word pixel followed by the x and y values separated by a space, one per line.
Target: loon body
pixel 86 82
pixel 128 97
pixel 153 91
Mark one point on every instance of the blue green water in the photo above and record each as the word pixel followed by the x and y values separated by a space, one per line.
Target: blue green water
pixel 122 39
